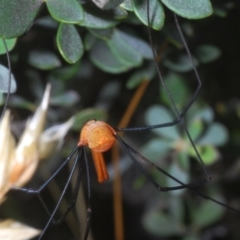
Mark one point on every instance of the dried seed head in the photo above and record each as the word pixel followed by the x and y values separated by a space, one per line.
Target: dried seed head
pixel 52 138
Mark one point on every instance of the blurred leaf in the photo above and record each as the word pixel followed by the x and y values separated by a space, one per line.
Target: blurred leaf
pixel 172 35
pixel 145 73
pixel 96 18
pixel 139 182
pixel 179 174
pixel 140 46
pixel 190 8
pixel 43 60
pixel 119 13
pixel 103 34
pixel 159 115
pixel 216 135
pixel 67 99
pixel 19 102
pixel 206 114
pixel 10 45
pixel 156 149
pixel 47 22
pixel 66 73
pixel 156 13
pixel 17 16
pixel 220 12
pixel 207 213
pixel 127 4
pixel 125 53
pixel 86 115
pixel 68 11
pixel 179 63
pixel 178 89
pixel 104 59
pixel 176 208
pixel 207 53
pixel 89 41
pixel 4 80
pixel 192 236
pixel 195 129
pixel 208 154
pixel 69 43
pixel 160 223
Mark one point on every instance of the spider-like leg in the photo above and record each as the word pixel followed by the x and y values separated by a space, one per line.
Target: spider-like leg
pixel 192 187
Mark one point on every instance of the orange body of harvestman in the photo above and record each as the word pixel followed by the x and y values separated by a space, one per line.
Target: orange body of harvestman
pixel 99 137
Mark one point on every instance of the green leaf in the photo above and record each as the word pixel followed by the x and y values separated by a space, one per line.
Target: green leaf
pixel 179 63
pixel 195 129
pixel 207 213
pixel 209 154
pixel 207 53
pixel 158 115
pixel 103 34
pixel 19 102
pixel 140 46
pixel 17 16
pixel 69 43
pixel 179 174
pixel 156 149
pixel 119 13
pixel 43 60
pixel 161 224
pixel 66 73
pixel 145 73
pixel 86 115
pixel 178 89
pixel 127 4
pixel 125 53
pixel 10 45
pixel 192 236
pixel 191 9
pixel 96 18
pixel 89 41
pixel 67 99
pixel 216 135
pixel 68 11
pixel 103 58
pixel 4 80
pixel 206 114
pixel 156 13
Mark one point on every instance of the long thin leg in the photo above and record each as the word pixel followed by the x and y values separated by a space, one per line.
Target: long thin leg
pixel 128 150
pixel 37 191
pixel 191 187
pixel 75 193
pixel 180 116
pixel 61 197
pixel 89 209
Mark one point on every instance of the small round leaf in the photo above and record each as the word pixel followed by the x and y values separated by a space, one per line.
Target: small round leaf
pixel 43 60
pixel 156 13
pixel 191 9
pixel 68 11
pixel 69 43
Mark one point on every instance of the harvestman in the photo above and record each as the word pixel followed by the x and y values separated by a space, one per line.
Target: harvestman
pixel 99 137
